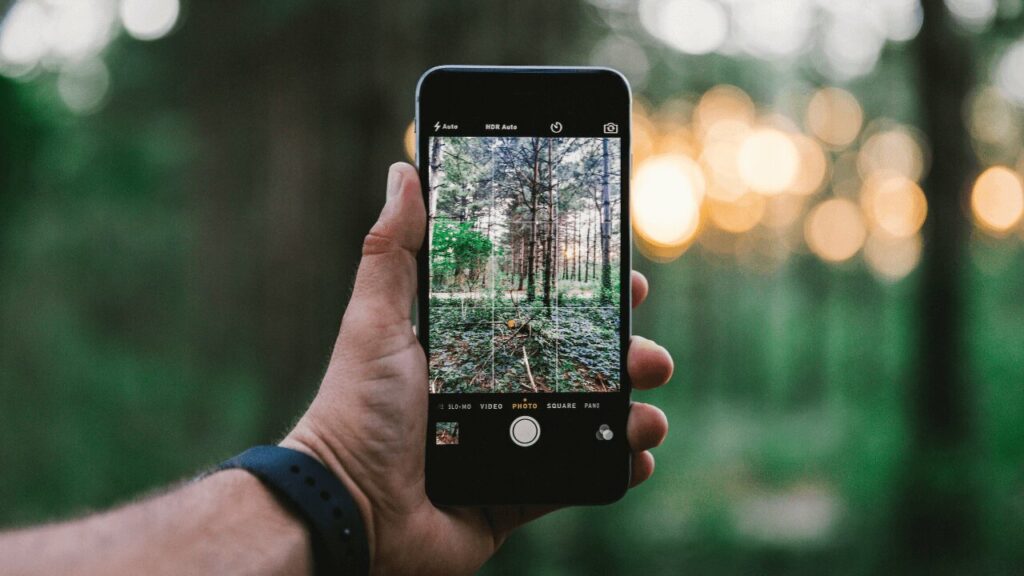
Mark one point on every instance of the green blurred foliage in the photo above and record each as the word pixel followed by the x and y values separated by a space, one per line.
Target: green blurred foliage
pixel 173 268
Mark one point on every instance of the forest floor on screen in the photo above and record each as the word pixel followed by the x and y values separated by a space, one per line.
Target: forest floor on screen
pixel 524 264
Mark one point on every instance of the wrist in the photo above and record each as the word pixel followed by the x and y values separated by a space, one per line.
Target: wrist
pixel 256 509
pixel 303 440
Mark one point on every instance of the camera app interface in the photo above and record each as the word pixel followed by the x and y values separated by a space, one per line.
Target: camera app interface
pixel 524 286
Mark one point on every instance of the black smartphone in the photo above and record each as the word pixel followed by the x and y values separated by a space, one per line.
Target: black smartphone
pixel 524 283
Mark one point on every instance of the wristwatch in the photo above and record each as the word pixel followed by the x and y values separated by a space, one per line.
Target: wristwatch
pixel 304 486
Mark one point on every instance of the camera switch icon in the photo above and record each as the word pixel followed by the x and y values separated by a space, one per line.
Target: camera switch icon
pixel 611 128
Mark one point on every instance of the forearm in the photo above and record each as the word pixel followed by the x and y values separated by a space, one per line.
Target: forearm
pixel 226 523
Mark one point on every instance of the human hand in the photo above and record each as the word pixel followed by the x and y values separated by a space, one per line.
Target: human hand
pixel 368 421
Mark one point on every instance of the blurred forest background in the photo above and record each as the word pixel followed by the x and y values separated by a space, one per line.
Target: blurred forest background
pixel 827 201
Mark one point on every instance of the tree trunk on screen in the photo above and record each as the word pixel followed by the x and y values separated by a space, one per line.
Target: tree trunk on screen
pixel 606 227
pixel 586 263
pixel 531 249
pixel 435 169
pixel 521 270
pixel 549 243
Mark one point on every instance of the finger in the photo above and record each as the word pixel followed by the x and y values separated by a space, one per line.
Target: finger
pixel 646 428
pixel 643 468
pixel 649 364
pixel 640 288
pixel 386 281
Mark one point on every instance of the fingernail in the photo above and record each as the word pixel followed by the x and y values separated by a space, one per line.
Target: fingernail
pixel 395 177
pixel 641 341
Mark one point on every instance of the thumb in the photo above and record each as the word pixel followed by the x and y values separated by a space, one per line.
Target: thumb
pixel 386 281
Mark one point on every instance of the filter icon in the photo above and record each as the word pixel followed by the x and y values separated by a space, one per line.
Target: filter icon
pixel 604 432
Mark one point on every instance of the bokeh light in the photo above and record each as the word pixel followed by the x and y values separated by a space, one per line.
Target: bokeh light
pixel 768 161
pixel 22 35
pixel 997 200
pixel 973 15
pixel 771 29
pixel 644 133
pixel 690 26
pixel 83 85
pixel 995 125
pixel 149 19
pixel 896 149
pixel 677 140
pixel 37 33
pixel 736 216
pixel 1010 72
pixel 834 230
pixel 719 158
pixel 409 141
pixel 50 35
pixel 81 28
pixel 895 204
pixel 783 210
pixel 667 194
pixel 723 102
pixel 625 55
pixel 814 165
pixel 890 258
pixel 852 41
pixel 834 116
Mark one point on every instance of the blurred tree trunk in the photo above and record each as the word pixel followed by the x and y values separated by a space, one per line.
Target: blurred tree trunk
pixel 300 108
pixel 937 511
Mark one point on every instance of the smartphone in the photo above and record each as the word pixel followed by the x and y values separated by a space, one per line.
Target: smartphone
pixel 524 283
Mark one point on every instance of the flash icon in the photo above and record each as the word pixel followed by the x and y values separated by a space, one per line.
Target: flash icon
pixel 437 126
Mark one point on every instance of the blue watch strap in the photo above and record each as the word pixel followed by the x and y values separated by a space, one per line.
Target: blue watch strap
pixel 319 498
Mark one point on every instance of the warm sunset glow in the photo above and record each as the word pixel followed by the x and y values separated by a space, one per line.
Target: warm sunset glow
pixel 723 102
pixel 994 120
pixel 667 194
pixel 737 216
pixel 834 230
pixel 783 210
pixel 813 166
pixel 644 133
pixel 997 199
pixel 678 140
pixel 892 258
pixel 768 161
pixel 894 204
pixel 409 140
pixel 894 150
pixel 721 151
pixel 834 116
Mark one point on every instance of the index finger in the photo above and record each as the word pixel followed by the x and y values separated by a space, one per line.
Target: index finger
pixel 640 288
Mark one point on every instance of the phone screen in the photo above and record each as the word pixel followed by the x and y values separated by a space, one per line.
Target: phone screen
pixel 524 298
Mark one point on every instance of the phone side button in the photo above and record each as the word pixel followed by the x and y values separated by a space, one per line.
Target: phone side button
pixel 525 431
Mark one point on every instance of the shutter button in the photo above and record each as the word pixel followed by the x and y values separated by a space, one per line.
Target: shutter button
pixel 525 431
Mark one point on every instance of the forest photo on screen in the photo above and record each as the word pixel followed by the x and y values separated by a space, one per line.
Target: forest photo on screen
pixel 524 248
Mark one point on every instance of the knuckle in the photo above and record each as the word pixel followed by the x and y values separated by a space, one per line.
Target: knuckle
pixel 378 241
